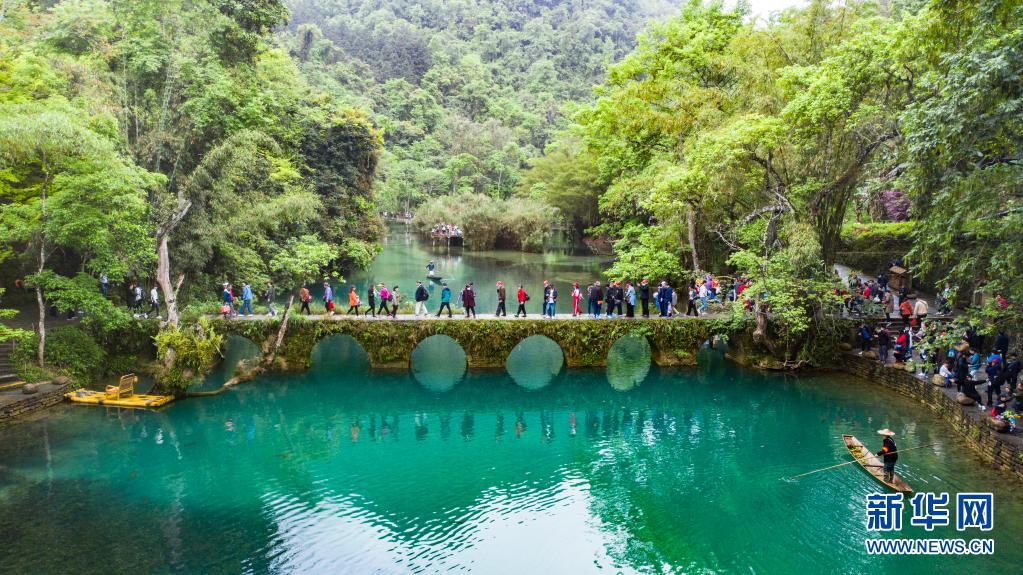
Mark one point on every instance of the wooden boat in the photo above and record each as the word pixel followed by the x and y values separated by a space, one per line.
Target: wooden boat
pixel 872 465
pixel 434 278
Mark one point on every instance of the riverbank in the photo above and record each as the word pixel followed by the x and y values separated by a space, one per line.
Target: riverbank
pixel 1002 451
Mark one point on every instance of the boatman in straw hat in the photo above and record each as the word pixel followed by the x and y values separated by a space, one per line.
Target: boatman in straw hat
pixel 889 451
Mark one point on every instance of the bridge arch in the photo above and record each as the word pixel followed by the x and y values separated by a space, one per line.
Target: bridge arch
pixel 237 351
pixel 535 361
pixel 338 352
pixel 438 363
pixel 628 361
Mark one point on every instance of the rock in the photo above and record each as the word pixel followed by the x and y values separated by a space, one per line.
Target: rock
pixel 999 425
pixel 61 380
pixel 963 400
pixel 845 346
pixel 870 354
pixel 938 380
pixel 30 388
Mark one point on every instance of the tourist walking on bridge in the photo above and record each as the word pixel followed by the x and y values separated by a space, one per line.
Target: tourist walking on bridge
pixel 551 301
pixel 595 297
pixel 445 299
pixel 306 298
pixel 501 294
pixel 385 297
pixel 353 302
pixel 543 300
pixel 328 298
pixel 522 298
pixel 630 300
pixel 469 300
pixel 395 302
pixel 644 297
pixel 421 296
pixel 269 296
pixel 246 300
pixel 576 296
pixel 371 299
pixel 664 298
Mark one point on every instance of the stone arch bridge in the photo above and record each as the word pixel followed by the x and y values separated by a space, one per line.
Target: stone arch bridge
pixel 487 342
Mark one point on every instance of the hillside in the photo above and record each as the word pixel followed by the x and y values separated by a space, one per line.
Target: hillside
pixel 465 92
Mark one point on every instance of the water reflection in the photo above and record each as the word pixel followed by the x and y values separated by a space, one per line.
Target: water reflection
pixel 535 362
pixel 438 363
pixel 628 362
pixel 329 473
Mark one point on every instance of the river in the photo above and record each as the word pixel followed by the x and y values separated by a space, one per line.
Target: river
pixel 347 470
pixel 406 253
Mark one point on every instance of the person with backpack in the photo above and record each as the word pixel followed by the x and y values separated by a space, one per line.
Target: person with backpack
pixel 543 300
pixel 421 296
pixel 522 298
pixel 865 338
pixel 469 300
pixel 664 294
pixel 306 298
pixel 692 295
pixel 395 301
pixel 501 294
pixel 353 302
pixel 445 299
pixel 385 298
pixel 268 297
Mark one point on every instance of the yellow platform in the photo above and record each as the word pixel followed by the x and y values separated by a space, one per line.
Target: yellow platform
pixel 133 401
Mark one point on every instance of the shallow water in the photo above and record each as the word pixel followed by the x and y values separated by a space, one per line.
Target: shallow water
pixel 343 470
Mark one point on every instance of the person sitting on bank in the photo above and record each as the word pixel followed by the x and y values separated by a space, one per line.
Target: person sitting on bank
pixel 889 453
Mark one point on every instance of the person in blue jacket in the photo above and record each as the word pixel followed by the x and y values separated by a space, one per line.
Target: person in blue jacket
pixel 445 299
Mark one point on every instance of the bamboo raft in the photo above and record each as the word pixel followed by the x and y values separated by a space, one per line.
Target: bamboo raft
pixel 872 465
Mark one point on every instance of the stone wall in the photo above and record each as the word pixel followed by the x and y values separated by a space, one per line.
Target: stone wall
pixel 1001 450
pixel 14 407
pixel 487 342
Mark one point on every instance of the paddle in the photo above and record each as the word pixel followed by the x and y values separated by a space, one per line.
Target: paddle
pixel 855 461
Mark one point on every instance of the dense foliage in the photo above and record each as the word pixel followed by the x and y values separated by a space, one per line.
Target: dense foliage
pixel 725 145
pixel 175 143
pixel 464 92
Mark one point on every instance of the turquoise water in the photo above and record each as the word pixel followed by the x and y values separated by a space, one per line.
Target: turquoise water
pixel 405 255
pixel 343 470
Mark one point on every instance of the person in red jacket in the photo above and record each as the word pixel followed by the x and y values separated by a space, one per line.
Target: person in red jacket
pixel 522 298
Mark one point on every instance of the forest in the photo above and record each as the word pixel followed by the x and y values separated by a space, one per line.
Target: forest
pixel 190 142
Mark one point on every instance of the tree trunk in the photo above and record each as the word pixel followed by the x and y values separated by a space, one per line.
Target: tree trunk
pixel 280 332
pixel 41 330
pixel 163 278
pixel 691 229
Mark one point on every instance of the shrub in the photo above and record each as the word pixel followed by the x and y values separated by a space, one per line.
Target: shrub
pixel 517 223
pixel 67 348
pixel 195 351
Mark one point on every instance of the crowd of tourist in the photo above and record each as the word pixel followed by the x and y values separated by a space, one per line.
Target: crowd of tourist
pixel 446 231
pixel 959 360
pixel 614 299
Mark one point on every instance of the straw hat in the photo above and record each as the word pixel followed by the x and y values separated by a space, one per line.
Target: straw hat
pixel 886 431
